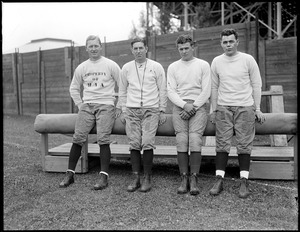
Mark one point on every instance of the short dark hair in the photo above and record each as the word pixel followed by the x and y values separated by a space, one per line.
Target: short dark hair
pixel 185 38
pixel 229 31
pixel 139 39
pixel 92 37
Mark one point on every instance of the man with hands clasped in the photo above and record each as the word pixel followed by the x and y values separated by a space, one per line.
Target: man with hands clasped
pixel 189 87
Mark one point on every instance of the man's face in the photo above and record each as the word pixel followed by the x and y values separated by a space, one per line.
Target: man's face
pixel 229 45
pixel 139 51
pixel 94 48
pixel 186 51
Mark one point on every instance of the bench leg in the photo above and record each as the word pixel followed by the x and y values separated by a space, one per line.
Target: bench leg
pixel 296 157
pixel 44 149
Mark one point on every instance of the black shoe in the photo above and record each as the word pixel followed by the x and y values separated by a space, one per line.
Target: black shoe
pixel 218 186
pixel 194 190
pixel 243 192
pixel 69 179
pixel 184 186
pixel 146 185
pixel 103 183
pixel 135 183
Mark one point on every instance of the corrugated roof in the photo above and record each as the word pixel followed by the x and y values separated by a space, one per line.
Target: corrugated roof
pixel 42 44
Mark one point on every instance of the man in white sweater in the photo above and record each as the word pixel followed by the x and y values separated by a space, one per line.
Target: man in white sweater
pixel 189 87
pixel 143 100
pixel 235 101
pixel 97 76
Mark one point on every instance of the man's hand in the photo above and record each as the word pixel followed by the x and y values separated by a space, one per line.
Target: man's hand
pixel 260 117
pixel 189 108
pixel 122 117
pixel 79 105
pixel 184 115
pixel 118 112
pixel 162 118
pixel 212 118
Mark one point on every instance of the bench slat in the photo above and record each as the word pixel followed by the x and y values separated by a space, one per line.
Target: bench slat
pixel 122 150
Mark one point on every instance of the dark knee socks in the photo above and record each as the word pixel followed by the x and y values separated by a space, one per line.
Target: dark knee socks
pixel 195 162
pixel 135 159
pixel 221 160
pixel 244 162
pixel 105 155
pixel 75 153
pixel 183 162
pixel 148 161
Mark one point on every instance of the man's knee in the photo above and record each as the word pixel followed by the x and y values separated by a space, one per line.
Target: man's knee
pixel 195 141
pixel 182 141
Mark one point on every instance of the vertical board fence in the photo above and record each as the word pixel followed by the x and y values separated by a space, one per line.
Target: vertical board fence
pixel 38 82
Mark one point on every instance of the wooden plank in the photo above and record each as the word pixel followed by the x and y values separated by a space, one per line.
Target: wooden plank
pixel 20 81
pixel 162 151
pixel 277 106
pixel 271 170
pixel 15 81
pixel 60 164
pixel 44 149
pixel 296 157
pixel 43 88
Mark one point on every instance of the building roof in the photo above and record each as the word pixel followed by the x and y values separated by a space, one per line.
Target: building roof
pixel 42 44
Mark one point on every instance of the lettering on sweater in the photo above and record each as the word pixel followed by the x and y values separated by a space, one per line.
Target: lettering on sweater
pixel 95 74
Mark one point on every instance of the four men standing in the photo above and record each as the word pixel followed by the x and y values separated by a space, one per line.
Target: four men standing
pixel 233 84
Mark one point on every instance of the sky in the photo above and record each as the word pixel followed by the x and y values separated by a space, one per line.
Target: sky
pixel 111 21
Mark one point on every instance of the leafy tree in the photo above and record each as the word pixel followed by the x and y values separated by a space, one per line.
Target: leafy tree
pixel 163 24
pixel 203 17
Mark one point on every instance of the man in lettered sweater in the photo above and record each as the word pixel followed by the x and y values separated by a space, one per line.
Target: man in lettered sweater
pixel 235 101
pixel 97 76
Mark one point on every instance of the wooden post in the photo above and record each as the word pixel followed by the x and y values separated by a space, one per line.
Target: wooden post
pixel 20 81
pixel 44 148
pixel 296 156
pixel 40 79
pixel 277 106
pixel 68 73
pixel 43 88
pixel 262 62
pixel 15 80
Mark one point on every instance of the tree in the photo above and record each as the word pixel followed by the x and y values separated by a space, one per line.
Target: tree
pixel 203 17
pixel 163 24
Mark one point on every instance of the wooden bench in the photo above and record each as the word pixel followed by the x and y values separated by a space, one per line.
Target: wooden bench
pixel 266 162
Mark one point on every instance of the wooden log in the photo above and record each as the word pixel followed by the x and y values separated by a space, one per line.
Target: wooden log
pixel 276 123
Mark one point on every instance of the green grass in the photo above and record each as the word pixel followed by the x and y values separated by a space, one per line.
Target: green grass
pixel 33 200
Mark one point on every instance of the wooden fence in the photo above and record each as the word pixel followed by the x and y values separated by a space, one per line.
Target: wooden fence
pixel 38 82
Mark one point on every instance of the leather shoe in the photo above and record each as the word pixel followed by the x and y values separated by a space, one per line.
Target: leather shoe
pixel 146 185
pixel 102 183
pixel 218 186
pixel 69 179
pixel 194 190
pixel 243 191
pixel 183 188
pixel 135 183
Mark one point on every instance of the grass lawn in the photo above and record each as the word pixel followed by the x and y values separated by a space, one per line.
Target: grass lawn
pixel 34 201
